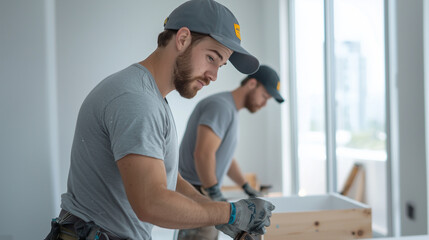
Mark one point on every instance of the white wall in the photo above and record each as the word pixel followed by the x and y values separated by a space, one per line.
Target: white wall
pixel 26 200
pixel 410 86
pixel 426 83
pixel 54 52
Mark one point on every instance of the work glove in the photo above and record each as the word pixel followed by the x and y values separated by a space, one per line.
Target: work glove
pixel 251 192
pixel 249 215
pixel 214 193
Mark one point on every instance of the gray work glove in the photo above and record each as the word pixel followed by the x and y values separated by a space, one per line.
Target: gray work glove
pixel 214 193
pixel 251 192
pixel 249 215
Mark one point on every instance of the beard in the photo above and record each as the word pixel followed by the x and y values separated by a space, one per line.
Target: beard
pixel 182 75
pixel 249 102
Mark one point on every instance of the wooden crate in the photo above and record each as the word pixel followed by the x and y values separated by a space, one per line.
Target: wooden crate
pixel 321 217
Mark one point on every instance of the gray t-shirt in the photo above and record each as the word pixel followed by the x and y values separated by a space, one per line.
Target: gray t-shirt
pixel 220 114
pixel 124 114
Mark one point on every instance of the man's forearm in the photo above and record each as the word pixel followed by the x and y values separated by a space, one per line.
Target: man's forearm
pixel 144 180
pixel 170 209
pixel 235 174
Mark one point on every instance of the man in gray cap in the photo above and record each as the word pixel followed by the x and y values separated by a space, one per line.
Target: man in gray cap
pixel 123 176
pixel 208 144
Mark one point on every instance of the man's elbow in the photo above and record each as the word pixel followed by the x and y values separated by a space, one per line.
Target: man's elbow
pixel 145 211
pixel 200 155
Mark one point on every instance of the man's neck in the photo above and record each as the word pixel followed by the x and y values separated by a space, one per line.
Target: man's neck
pixel 161 65
pixel 239 95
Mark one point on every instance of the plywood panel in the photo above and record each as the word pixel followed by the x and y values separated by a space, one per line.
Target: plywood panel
pixel 329 224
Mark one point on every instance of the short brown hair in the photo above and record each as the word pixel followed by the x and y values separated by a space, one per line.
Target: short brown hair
pixel 246 79
pixel 165 37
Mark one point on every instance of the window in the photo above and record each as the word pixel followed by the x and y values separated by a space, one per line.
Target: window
pixel 356 54
pixel 309 62
pixel 360 99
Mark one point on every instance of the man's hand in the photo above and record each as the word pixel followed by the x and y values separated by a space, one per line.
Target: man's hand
pixel 251 192
pixel 214 193
pixel 249 215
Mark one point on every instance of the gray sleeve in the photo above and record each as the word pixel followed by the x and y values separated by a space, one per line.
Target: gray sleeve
pixel 135 126
pixel 216 116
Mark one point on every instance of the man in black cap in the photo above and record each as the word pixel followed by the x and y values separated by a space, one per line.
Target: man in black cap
pixel 123 175
pixel 208 144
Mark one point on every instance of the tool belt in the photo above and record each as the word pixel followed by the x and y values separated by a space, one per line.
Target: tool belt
pixel 69 227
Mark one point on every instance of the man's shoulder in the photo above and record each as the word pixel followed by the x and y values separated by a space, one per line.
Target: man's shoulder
pixel 218 104
pixel 219 99
pixel 138 84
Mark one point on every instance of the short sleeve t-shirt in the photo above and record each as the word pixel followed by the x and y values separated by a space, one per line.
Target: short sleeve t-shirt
pixel 124 114
pixel 220 114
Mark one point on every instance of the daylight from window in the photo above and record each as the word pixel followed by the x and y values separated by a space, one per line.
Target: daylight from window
pixel 359 112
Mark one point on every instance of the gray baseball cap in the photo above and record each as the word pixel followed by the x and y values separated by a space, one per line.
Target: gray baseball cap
pixel 270 80
pixel 214 19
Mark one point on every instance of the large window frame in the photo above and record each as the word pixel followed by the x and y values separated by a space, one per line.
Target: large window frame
pixel 330 118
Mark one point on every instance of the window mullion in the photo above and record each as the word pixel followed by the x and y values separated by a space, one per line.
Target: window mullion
pixel 330 118
pixel 392 164
pixel 293 100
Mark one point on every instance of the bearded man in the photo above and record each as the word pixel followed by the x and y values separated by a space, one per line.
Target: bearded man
pixel 208 144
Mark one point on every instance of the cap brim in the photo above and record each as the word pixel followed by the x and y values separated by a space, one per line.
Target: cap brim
pixel 240 58
pixel 275 94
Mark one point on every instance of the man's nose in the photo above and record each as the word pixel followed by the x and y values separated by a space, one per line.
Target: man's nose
pixel 212 74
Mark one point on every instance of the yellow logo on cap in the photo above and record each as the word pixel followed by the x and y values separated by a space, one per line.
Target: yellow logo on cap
pixel 278 86
pixel 165 21
pixel 237 30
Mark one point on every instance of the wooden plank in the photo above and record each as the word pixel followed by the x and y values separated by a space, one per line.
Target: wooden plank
pixel 321 225
pixel 360 188
pixel 351 178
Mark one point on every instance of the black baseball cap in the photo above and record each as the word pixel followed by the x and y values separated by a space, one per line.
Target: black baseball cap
pixel 212 18
pixel 271 81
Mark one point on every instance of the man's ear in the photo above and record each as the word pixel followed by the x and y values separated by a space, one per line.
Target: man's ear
pixel 252 83
pixel 183 39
